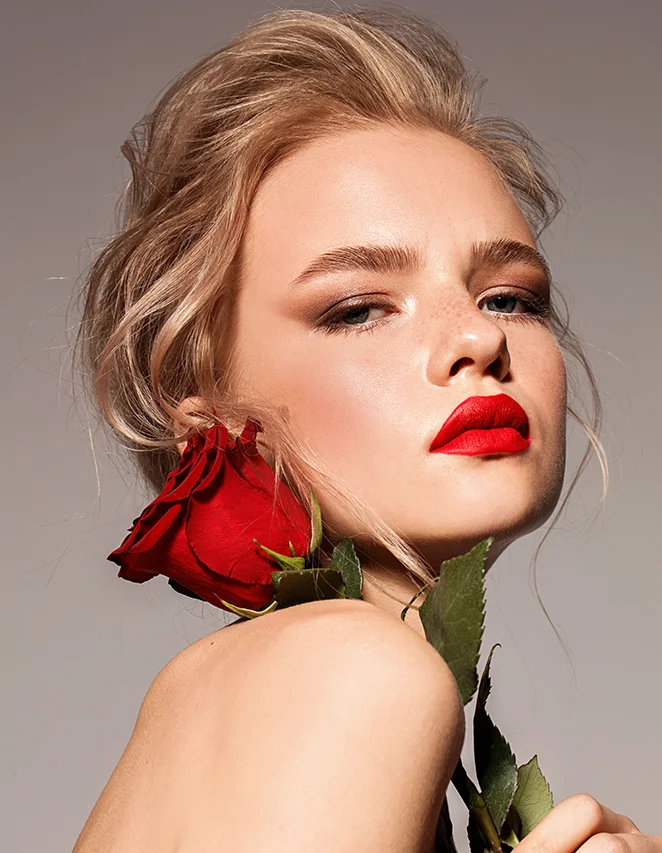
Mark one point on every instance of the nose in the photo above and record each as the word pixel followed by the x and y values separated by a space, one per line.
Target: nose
pixel 471 343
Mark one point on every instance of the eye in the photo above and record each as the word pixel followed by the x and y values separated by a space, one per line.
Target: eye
pixel 536 307
pixel 353 316
pixel 356 315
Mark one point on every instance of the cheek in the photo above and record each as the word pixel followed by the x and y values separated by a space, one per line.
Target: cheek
pixel 341 402
pixel 548 380
pixel 554 380
pixel 537 364
pixel 336 403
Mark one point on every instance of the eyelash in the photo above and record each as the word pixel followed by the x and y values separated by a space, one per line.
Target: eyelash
pixel 539 310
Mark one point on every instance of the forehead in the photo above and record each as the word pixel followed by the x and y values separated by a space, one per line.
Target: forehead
pixel 376 185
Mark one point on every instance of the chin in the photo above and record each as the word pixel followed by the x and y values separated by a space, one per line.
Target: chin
pixel 507 503
pixel 447 534
pixel 445 522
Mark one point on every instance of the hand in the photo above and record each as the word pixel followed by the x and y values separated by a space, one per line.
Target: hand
pixel 580 824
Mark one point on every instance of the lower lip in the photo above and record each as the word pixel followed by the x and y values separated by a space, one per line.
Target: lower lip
pixel 474 442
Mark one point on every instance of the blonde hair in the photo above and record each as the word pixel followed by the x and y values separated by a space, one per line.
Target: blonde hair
pixel 157 320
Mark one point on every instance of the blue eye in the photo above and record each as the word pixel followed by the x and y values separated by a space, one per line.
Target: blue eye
pixel 536 308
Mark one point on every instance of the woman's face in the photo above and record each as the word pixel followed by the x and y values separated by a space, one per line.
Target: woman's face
pixel 369 387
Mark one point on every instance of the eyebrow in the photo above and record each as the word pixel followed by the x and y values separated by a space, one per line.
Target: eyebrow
pixel 390 259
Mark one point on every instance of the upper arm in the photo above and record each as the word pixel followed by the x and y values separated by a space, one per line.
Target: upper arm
pixel 334 721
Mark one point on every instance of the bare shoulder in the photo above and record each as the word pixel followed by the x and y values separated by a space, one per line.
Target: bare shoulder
pixel 339 625
pixel 335 705
pixel 318 639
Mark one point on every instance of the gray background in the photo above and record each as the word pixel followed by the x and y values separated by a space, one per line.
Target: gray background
pixel 80 646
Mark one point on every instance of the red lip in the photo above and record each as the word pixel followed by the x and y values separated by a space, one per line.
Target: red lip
pixel 494 424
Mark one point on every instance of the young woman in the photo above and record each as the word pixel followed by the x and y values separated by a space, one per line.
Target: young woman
pixel 322 233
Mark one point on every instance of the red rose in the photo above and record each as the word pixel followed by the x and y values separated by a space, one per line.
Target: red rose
pixel 199 531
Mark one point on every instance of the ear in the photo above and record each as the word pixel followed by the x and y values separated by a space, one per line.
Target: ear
pixel 186 407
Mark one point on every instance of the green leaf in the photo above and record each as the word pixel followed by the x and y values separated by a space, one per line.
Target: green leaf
pixel 480 819
pixel 315 523
pixel 453 615
pixel 466 787
pixel 344 559
pixel 292 551
pixel 245 611
pixel 496 766
pixel 511 832
pixel 289 564
pixel 533 798
pixel 297 587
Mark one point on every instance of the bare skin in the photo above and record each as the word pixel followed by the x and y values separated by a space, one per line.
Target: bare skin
pixel 333 726
pixel 329 726
pixel 370 391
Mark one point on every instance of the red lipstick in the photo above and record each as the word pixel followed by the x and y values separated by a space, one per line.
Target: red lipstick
pixel 494 424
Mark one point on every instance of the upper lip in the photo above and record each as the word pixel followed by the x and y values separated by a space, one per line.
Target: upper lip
pixel 496 410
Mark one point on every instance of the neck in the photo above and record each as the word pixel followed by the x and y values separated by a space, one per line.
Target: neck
pixel 379 584
pixel 386 583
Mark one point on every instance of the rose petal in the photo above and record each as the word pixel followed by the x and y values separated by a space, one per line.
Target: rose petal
pixel 199 531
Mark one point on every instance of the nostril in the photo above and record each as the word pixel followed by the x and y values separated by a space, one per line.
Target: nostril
pixel 458 364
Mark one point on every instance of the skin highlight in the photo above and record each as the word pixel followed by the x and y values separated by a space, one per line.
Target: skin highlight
pixel 370 396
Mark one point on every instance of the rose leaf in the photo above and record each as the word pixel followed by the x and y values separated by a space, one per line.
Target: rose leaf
pixel 511 831
pixel 496 767
pixel 533 797
pixel 344 559
pixel 298 587
pixel 453 615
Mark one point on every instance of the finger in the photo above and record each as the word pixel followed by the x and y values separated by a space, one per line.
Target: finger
pixel 572 822
pixel 626 842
